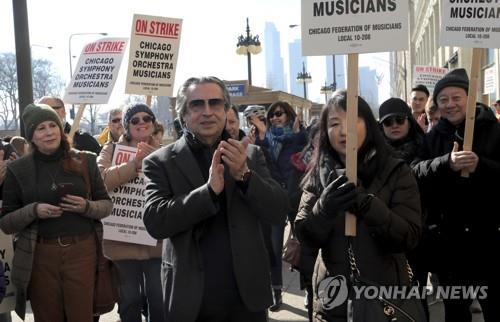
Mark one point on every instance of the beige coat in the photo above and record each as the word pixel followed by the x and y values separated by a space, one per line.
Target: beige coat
pixel 113 177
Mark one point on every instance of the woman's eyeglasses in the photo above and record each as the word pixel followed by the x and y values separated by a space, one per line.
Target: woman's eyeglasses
pixel 116 121
pixel 400 120
pixel 275 114
pixel 146 119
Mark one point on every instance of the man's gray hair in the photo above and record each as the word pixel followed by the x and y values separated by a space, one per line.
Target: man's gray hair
pixel 113 112
pixel 181 104
pixel 57 99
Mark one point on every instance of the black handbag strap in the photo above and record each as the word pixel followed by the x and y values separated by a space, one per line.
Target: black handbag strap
pixel 354 270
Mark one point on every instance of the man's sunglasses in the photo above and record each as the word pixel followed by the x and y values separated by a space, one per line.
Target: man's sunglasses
pixel 116 121
pixel 212 102
pixel 400 120
pixel 145 118
pixel 277 114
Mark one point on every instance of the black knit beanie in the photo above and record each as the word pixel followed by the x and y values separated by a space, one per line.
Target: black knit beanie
pixel 131 110
pixel 34 114
pixel 456 78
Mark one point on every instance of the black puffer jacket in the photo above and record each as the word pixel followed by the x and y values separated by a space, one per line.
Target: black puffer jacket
pixel 390 227
pixel 464 209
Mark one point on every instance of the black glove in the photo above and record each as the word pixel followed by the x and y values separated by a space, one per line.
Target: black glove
pixel 338 196
pixel 362 202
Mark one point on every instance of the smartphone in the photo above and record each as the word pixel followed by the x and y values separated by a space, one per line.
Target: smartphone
pixel 8 149
pixel 64 188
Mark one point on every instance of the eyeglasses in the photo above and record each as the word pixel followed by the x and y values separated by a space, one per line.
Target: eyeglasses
pixel 455 99
pixel 199 104
pixel 116 121
pixel 145 119
pixel 276 114
pixel 57 107
pixel 400 120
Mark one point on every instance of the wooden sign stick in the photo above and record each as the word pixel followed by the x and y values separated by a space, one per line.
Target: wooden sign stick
pixel 470 115
pixel 148 100
pixel 352 133
pixel 76 122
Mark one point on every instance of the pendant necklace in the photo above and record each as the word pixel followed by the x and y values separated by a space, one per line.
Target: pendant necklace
pixel 53 186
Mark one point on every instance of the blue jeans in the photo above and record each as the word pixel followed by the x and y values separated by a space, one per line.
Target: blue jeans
pixel 133 274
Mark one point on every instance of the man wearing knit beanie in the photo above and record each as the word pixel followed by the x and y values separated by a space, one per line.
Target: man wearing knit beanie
pixel 461 210
pixel 455 78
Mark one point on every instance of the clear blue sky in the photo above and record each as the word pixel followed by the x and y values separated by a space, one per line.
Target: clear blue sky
pixel 208 40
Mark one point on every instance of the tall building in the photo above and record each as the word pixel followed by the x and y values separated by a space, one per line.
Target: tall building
pixel 340 71
pixel 368 88
pixel 295 60
pixel 275 78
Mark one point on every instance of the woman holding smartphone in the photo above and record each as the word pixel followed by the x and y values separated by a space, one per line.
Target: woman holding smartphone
pixel 56 243
pixel 280 136
pixel 138 265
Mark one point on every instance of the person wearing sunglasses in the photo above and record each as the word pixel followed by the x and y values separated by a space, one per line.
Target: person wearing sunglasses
pixel 137 264
pixel 207 195
pixel 114 129
pixel 400 129
pixel 281 136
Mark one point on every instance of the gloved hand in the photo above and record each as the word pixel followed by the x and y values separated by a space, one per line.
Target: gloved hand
pixel 362 202
pixel 337 197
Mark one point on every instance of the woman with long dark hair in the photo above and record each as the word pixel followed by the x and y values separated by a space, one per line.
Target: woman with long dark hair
pixel 385 201
pixel 53 201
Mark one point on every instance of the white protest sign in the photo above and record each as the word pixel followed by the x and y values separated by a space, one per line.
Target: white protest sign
pixel 468 23
pixel 490 80
pixel 6 255
pixel 96 72
pixel 340 27
pixel 154 49
pixel 428 76
pixel 125 223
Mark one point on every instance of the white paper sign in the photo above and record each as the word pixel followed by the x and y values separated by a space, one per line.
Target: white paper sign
pixel 96 72
pixel 154 49
pixel 490 80
pixel 341 27
pixel 6 255
pixel 474 24
pixel 428 76
pixel 126 223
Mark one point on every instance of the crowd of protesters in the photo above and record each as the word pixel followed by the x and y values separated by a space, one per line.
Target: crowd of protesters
pixel 218 201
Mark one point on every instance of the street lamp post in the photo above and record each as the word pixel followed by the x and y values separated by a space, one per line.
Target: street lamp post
pixel 248 45
pixel 327 89
pixel 304 77
pixel 333 86
pixel 72 112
